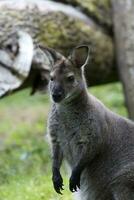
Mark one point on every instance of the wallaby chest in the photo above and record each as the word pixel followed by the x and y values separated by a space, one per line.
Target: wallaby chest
pixel 73 123
pixel 73 130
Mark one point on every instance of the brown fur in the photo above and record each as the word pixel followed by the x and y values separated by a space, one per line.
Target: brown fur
pixel 97 143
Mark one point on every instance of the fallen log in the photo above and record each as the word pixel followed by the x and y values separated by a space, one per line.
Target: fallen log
pixel 51 24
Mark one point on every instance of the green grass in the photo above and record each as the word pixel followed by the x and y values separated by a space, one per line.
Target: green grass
pixel 112 96
pixel 25 161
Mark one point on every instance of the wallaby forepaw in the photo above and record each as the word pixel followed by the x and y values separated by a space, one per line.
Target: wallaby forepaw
pixel 74 182
pixel 58 183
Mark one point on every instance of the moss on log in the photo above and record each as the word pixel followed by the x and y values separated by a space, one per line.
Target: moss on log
pixel 100 11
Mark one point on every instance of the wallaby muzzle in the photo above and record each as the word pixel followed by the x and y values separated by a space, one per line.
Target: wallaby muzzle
pixel 58 93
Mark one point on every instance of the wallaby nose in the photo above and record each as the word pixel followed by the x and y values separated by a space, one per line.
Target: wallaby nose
pixel 57 97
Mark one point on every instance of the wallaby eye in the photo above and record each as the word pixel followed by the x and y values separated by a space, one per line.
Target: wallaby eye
pixel 51 78
pixel 70 78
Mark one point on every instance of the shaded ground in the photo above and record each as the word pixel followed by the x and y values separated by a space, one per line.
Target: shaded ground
pixel 25 162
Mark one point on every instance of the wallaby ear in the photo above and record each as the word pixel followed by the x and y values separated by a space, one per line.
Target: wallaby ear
pixel 80 56
pixel 51 56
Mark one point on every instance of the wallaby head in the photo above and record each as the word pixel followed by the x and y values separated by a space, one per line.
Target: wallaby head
pixel 66 77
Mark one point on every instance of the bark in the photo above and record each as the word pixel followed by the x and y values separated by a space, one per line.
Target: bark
pixel 123 16
pixel 58 26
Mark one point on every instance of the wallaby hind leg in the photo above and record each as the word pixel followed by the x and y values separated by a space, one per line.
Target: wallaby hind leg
pixel 123 193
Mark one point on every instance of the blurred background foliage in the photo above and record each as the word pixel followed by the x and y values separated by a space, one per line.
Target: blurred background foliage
pixel 25 161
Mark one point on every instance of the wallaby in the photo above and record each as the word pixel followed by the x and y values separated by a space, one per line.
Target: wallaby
pixel 97 143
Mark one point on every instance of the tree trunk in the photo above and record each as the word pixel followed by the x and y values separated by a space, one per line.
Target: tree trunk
pixel 55 25
pixel 123 16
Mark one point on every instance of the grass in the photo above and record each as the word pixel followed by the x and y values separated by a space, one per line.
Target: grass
pixel 25 161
